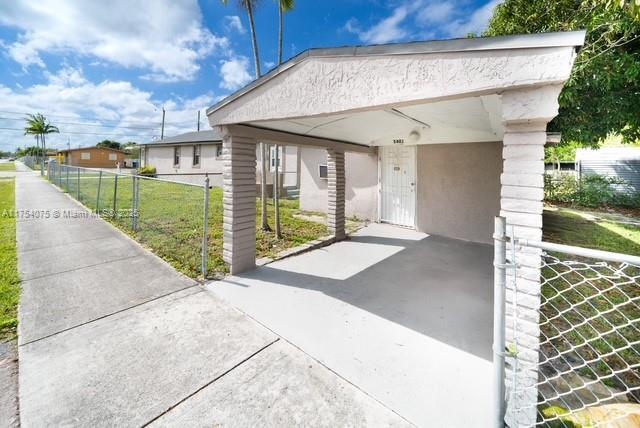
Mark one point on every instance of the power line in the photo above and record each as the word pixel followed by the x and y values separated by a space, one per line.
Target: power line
pixel 83 117
pixel 156 124
pixel 86 124
pixel 85 133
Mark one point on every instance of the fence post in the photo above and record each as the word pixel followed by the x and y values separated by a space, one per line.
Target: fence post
pixel 67 189
pixel 499 287
pixel 205 228
pixel 78 169
pixel 115 195
pixel 134 203
pixel 98 196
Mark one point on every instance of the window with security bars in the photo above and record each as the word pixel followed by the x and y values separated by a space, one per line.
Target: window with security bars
pixel 176 157
pixel 196 155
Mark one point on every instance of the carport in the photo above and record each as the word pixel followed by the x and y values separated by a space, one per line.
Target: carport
pixel 459 127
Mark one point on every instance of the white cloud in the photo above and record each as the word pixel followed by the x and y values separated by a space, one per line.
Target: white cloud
pixel 234 23
pixel 436 13
pixel 108 108
pixel 235 73
pixel 165 36
pixel 385 31
pixel 420 19
pixel 474 23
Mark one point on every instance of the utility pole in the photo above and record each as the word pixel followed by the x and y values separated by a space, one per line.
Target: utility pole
pixel 198 120
pixel 162 130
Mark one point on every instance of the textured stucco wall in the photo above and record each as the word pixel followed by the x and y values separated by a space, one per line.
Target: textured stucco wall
pixel 459 189
pixel 325 85
pixel 361 173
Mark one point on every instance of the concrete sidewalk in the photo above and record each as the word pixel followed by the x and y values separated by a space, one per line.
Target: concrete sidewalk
pixel 110 335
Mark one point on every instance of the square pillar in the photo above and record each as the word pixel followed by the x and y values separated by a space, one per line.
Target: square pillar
pixel 336 193
pixel 525 114
pixel 239 202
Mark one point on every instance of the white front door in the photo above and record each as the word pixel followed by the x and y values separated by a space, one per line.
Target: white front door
pixel 398 185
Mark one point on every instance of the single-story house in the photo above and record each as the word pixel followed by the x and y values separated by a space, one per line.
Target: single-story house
pixel 92 157
pixel 188 157
pixel 454 133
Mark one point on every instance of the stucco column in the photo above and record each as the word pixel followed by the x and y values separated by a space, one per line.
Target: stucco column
pixel 239 202
pixel 336 193
pixel 525 114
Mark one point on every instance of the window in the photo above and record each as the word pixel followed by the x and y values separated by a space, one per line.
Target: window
pixel 176 156
pixel 113 156
pixel 272 159
pixel 196 155
pixel 85 155
pixel 323 172
pixel 219 151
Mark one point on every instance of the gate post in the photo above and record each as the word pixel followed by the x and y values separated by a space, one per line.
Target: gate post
pixel 115 195
pixel 499 287
pixel 98 196
pixel 78 169
pixel 205 228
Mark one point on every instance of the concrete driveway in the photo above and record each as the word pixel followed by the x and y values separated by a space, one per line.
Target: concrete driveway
pixel 110 335
pixel 405 317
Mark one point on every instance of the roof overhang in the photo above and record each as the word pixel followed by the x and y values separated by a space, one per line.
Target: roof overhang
pixel 443 89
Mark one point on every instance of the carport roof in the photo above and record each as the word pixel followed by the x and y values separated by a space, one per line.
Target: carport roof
pixel 541 40
pixel 211 136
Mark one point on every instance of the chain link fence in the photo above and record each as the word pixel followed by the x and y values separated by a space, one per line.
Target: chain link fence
pixel 587 370
pixel 167 216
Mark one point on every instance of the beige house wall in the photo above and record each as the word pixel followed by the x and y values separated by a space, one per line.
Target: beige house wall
pixel 98 158
pixel 161 157
pixel 361 173
pixel 459 189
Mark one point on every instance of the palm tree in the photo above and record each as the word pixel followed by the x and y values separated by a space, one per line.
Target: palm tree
pixel 39 126
pixel 249 6
pixel 283 6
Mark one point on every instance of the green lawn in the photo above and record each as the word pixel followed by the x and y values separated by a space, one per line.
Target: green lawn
pixel 170 220
pixel 9 281
pixel 566 227
pixel 591 311
pixel 7 166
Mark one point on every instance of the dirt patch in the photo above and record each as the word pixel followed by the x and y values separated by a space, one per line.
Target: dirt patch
pixel 9 416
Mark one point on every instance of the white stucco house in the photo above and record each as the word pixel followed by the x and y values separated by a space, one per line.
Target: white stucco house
pixel 188 157
pixel 448 135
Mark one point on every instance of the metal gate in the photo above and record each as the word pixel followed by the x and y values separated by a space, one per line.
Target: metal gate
pixel 582 368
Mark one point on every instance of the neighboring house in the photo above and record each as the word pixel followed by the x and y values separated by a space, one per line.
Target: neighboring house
pixel 92 157
pixel 453 132
pixel 617 162
pixel 188 157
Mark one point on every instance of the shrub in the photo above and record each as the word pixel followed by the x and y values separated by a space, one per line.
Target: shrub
pixel 148 170
pixel 590 191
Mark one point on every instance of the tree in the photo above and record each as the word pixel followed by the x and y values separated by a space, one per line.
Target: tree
pixel 249 7
pixel 283 6
pixel 39 126
pixel 601 96
pixel 109 144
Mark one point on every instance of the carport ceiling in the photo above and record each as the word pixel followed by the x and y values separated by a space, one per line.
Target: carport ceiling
pixel 474 119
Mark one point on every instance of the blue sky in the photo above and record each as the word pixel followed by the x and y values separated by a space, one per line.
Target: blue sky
pixel 106 72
